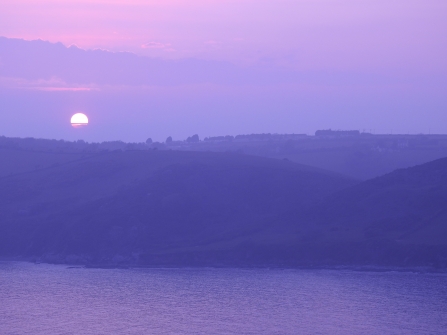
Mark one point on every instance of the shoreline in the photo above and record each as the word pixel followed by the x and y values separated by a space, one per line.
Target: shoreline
pixel 355 268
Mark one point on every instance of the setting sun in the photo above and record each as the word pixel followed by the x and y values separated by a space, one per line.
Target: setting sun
pixel 79 119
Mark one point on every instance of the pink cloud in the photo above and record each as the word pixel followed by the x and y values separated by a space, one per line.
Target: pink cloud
pixel 52 85
pixel 62 89
pixel 368 35
pixel 158 45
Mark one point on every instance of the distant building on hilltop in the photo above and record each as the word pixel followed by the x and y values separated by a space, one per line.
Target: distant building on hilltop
pixel 269 137
pixel 337 133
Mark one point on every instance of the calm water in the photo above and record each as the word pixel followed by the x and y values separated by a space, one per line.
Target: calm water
pixel 49 299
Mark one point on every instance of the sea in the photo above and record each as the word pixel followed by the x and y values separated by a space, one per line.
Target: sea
pixel 43 299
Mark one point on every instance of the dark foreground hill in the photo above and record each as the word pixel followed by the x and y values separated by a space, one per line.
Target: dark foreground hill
pixel 150 208
pixel 399 218
pixel 154 206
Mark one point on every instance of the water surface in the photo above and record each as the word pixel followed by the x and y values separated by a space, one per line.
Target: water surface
pixel 53 299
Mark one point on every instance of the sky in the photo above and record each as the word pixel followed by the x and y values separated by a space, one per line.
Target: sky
pixel 214 67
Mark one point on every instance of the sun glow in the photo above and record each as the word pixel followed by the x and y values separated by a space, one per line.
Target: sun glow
pixel 79 120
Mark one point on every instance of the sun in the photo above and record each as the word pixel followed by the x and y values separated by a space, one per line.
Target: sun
pixel 79 120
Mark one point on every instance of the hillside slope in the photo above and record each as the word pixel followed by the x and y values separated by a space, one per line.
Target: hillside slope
pixel 395 205
pixel 142 203
pixel 401 217
pixel 178 208
pixel 15 161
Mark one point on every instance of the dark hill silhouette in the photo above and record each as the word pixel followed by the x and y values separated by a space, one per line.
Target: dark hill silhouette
pixel 16 161
pixel 144 203
pixel 395 205
pixel 185 208
pixel 402 214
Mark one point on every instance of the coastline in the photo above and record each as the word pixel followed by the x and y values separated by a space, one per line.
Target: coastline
pixel 266 266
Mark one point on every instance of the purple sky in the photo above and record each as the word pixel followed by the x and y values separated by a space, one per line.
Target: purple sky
pixel 222 67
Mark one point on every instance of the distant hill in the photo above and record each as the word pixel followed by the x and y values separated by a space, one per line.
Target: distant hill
pixel 399 218
pixel 20 155
pixel 16 161
pixel 135 205
pixel 403 205
pixel 186 208
pixel 362 157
